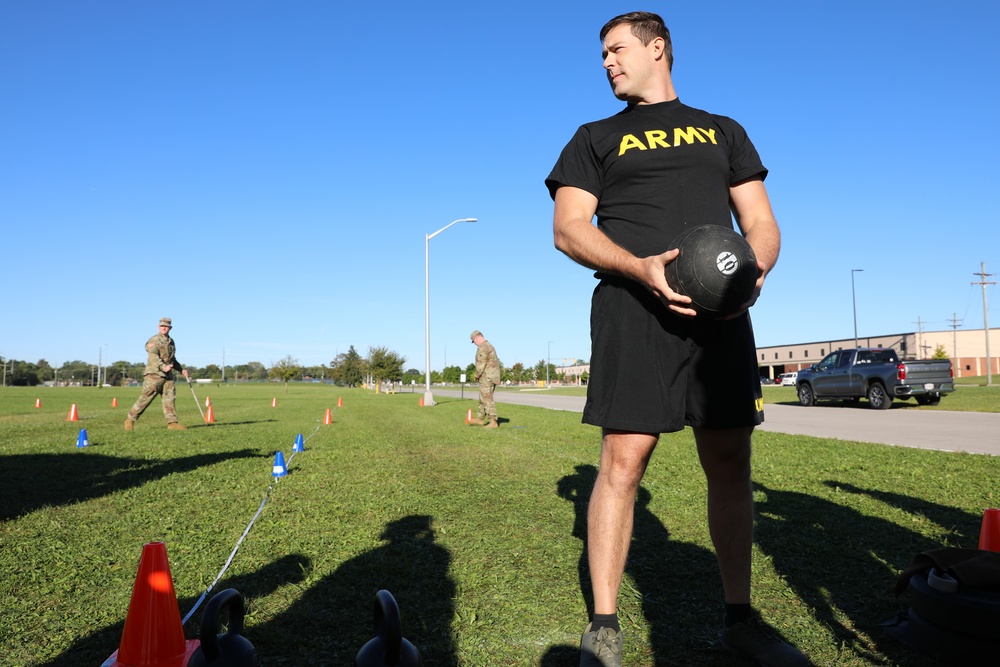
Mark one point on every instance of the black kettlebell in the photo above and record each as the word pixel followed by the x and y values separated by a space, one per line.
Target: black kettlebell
pixel 389 647
pixel 228 650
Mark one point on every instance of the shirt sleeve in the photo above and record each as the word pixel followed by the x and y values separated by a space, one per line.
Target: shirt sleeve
pixel 578 166
pixel 744 161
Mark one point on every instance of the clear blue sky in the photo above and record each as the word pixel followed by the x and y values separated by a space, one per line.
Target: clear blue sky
pixel 265 172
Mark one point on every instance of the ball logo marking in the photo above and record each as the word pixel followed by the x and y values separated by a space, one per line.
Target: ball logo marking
pixel 727 263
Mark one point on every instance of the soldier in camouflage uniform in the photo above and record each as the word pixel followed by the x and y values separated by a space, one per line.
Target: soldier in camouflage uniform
pixel 159 378
pixel 488 377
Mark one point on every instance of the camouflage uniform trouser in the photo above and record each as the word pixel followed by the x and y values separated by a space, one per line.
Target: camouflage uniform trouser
pixel 151 386
pixel 487 408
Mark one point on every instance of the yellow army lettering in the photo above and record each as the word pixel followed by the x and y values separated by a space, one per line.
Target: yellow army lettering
pixel 659 139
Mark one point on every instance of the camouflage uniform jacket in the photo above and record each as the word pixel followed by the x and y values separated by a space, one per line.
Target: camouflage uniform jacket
pixel 487 363
pixel 161 350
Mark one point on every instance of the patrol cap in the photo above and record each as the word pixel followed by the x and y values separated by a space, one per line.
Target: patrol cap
pixel 165 322
pixel 475 333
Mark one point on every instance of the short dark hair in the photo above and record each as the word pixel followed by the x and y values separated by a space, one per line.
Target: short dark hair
pixel 646 26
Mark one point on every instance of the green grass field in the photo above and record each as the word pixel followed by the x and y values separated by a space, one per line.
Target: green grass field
pixel 478 534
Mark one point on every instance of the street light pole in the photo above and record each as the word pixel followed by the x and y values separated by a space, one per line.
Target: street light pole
pixel 428 396
pixel 854 303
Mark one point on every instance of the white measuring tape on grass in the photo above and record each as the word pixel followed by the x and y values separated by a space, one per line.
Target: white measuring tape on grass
pixel 242 537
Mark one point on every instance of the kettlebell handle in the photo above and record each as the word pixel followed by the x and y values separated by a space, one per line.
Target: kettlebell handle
pixel 210 620
pixel 387 625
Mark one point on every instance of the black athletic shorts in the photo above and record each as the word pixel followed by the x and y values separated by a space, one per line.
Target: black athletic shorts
pixel 652 371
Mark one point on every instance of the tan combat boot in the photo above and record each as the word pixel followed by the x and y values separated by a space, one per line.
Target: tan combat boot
pixel 174 426
pixel 493 423
pixel 129 424
pixel 477 421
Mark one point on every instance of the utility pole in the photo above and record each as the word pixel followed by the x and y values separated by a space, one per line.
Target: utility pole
pixel 954 333
pixel 920 332
pixel 986 318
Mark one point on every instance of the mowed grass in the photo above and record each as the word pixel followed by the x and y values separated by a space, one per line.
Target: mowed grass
pixel 478 534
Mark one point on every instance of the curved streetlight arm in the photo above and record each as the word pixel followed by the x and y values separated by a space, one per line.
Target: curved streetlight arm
pixel 430 236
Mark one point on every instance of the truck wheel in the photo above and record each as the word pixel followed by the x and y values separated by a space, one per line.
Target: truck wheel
pixel 877 396
pixel 806 396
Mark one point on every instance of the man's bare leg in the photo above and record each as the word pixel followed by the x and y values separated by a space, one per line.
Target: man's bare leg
pixel 624 457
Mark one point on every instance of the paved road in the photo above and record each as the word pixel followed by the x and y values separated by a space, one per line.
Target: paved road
pixel 976 432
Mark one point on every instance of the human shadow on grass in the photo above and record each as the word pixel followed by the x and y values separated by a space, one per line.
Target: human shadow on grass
pixel 843 564
pixel 329 623
pixel 678 582
pixel 964 527
pixel 42 480
pixel 96 647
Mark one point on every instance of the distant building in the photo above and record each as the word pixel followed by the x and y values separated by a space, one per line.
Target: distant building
pixel 574 375
pixel 966 349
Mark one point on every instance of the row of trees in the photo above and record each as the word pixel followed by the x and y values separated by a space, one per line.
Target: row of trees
pixel 348 369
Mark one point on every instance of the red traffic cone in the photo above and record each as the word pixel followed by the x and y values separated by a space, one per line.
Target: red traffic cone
pixel 340 402
pixel 327 419
pixel 421 403
pixel 38 402
pixel 153 634
pixel 114 402
pixel 210 416
pixel 989 535
pixel 73 414
pixel 208 402
pixel 468 416
pixel 274 402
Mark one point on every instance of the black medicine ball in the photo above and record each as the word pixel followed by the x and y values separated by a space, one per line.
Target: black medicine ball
pixel 716 268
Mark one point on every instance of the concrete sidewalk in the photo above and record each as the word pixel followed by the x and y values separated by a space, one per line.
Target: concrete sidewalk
pixel 905 426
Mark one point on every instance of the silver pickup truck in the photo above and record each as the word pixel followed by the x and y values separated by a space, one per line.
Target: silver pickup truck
pixel 876 374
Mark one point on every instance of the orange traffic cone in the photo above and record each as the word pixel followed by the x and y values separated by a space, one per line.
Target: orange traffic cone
pixel 468 416
pixel 340 402
pixel 38 402
pixel 73 414
pixel 328 419
pixel 208 402
pixel 210 416
pixel 114 402
pixel 274 402
pixel 421 403
pixel 989 535
pixel 153 634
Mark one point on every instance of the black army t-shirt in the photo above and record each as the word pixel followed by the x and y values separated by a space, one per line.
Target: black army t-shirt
pixel 657 169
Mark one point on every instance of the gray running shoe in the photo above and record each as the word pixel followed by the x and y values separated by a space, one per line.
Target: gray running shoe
pixel 601 649
pixel 754 639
